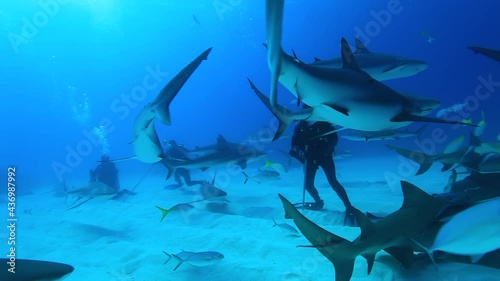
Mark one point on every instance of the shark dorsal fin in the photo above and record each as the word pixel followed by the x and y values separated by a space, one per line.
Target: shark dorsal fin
pixel 221 143
pixel 414 196
pixel 366 225
pixel 348 60
pixel 474 141
pixel 317 59
pixel 360 47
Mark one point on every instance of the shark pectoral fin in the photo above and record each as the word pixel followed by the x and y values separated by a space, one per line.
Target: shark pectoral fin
pixel 343 269
pixel 348 59
pixel 404 255
pixel 203 169
pixel 339 108
pixel 370 260
pixel 407 117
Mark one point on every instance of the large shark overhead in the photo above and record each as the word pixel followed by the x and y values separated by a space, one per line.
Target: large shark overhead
pixel 147 146
pixel 377 65
pixel 347 97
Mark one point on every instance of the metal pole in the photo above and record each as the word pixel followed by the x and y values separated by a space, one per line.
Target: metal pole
pixel 305 179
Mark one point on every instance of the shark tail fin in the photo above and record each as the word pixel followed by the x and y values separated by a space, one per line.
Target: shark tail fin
pixel 168 93
pixel 169 257
pixel 275 223
pixel 284 116
pixel 424 160
pixel 324 241
pixel 246 177
pixel 164 212
pixel 179 261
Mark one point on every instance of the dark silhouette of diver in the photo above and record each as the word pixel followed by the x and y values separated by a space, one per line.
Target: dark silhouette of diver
pixel 179 152
pixel 315 152
pixel 106 172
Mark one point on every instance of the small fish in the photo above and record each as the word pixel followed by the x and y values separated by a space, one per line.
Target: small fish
pixel 276 166
pixel 195 258
pixel 481 126
pixel 429 37
pixel 178 207
pixel 27 212
pixel 454 108
pixel 196 20
pixel 286 228
pixel 473 232
pixel 262 176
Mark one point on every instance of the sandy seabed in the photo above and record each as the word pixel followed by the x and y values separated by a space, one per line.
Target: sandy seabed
pixel 124 239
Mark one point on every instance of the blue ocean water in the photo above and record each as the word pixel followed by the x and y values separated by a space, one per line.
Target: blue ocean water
pixel 88 54
pixel 69 68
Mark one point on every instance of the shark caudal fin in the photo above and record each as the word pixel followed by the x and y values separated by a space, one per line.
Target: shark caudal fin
pixel 161 104
pixel 335 248
pixel 284 115
pixel 274 29
pixel 424 160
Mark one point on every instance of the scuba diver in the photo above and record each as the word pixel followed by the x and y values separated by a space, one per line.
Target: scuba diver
pixel 106 172
pixel 314 152
pixel 177 151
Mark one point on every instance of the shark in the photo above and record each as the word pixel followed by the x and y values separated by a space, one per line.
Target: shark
pixel 91 190
pixel 348 97
pixel 29 270
pixel 463 156
pixel 146 143
pixel 394 233
pixel 378 65
pixel 382 135
pixel 491 53
pixel 225 154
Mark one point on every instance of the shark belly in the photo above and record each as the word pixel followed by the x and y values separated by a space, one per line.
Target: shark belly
pixel 145 149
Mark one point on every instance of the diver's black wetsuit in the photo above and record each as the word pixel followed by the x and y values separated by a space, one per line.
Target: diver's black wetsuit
pixel 177 151
pixel 319 153
pixel 107 173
